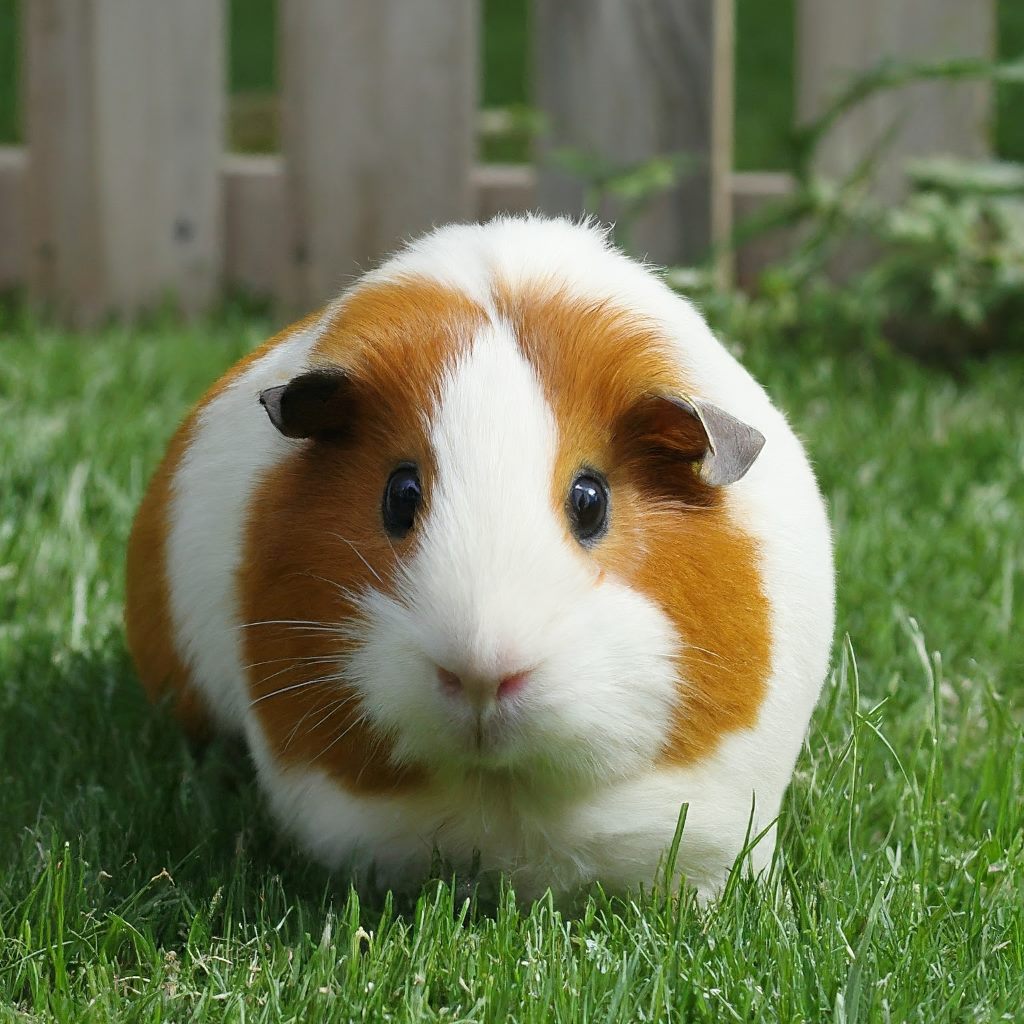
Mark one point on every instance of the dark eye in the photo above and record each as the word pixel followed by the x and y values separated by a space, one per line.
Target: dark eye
pixel 587 507
pixel 402 497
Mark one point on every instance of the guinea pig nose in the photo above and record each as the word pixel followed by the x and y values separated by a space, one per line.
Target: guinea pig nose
pixel 480 690
pixel 507 685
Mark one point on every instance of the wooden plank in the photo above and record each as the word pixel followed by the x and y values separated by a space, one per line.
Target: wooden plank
pixel 255 224
pixel 125 105
pixel 13 223
pixel 378 113
pixel 837 40
pixel 628 80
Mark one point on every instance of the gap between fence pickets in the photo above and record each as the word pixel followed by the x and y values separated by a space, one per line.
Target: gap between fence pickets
pixel 13 216
pixel 255 229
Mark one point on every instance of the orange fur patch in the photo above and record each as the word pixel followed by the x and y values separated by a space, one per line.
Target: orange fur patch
pixel 147 613
pixel 670 536
pixel 315 537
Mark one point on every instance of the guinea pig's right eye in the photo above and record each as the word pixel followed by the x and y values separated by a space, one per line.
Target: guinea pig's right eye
pixel 587 507
pixel 402 497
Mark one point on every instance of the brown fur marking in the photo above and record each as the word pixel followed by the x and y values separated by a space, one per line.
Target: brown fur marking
pixel 147 612
pixel 317 530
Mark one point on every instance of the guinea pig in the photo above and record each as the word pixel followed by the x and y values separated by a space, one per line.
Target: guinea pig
pixel 501 558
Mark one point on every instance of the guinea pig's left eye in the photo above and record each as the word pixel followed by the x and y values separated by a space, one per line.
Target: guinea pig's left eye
pixel 587 507
pixel 402 497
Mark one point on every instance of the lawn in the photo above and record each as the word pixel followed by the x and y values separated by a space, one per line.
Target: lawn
pixel 138 882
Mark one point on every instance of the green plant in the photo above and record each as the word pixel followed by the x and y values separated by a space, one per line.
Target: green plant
pixel 945 274
pixel 954 251
pixel 620 193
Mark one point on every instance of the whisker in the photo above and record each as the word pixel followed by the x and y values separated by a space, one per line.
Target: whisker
pixel 703 650
pixel 333 707
pixel 292 662
pixel 299 660
pixel 351 597
pixel 295 728
pixel 359 555
pixel 297 686
pixel 705 663
pixel 376 747
pixel 277 693
pixel 284 622
pixel 721 663
pixel 330 658
pixel 322 579
pixel 337 739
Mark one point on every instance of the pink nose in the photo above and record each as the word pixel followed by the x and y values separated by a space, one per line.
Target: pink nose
pixel 481 690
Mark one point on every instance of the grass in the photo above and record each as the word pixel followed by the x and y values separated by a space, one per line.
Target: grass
pixel 140 883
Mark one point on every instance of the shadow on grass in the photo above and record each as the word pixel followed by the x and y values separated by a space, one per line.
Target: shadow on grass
pixel 89 762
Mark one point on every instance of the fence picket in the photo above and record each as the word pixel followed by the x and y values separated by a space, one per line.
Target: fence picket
pixel 379 101
pixel 837 39
pixel 124 108
pixel 627 80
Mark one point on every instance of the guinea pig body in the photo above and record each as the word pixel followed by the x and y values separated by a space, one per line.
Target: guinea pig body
pixel 501 557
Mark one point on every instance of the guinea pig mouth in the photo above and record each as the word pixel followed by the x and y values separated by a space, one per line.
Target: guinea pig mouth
pixel 486 741
pixel 485 737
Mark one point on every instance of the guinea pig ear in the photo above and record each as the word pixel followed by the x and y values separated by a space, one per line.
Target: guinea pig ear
pixel 698 431
pixel 316 404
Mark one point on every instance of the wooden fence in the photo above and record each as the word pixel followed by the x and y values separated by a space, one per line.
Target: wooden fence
pixel 124 197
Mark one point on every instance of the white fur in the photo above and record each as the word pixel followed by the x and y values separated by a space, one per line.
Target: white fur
pixel 563 789
pixel 618 834
pixel 231 448
pixel 495 588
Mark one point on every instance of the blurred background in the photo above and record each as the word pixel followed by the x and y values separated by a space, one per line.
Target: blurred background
pixel 157 153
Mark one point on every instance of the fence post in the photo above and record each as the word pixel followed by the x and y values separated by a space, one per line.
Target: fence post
pixel 837 39
pixel 627 80
pixel 378 109
pixel 124 107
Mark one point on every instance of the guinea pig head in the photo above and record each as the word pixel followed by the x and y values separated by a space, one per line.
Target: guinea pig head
pixel 505 531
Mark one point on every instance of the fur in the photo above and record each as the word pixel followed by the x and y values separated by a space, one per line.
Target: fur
pixel 676 661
